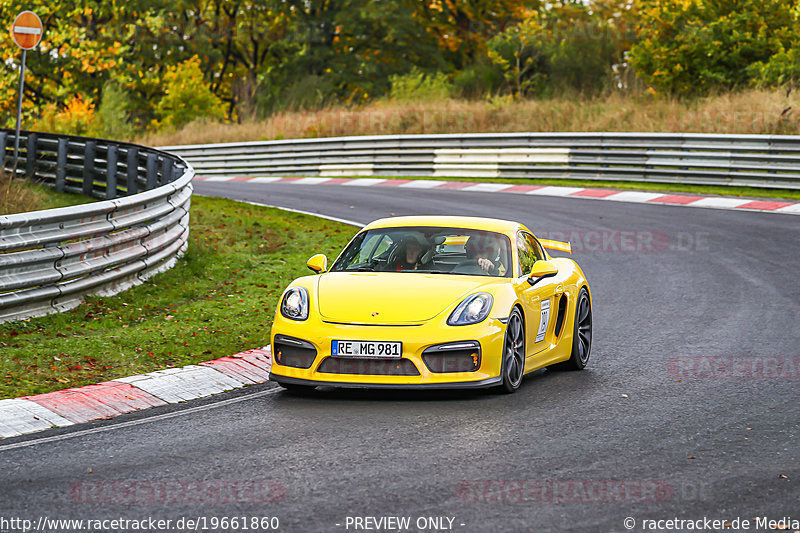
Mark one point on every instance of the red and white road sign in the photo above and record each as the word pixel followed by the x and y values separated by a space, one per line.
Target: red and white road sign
pixel 27 30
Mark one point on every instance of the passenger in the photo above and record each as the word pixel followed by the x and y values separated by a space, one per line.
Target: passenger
pixel 410 255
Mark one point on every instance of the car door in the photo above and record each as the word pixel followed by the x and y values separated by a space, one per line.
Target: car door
pixel 537 299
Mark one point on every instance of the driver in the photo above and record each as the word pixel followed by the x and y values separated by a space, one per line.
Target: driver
pixel 411 252
pixel 485 250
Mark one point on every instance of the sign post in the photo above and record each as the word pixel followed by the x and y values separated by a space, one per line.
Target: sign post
pixel 27 33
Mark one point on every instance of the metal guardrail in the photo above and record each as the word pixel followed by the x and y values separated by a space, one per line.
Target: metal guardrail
pixel 701 159
pixel 50 260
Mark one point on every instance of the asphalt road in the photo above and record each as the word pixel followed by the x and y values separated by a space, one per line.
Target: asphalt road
pixel 688 409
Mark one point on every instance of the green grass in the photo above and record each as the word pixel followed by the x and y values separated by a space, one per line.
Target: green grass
pixel 218 300
pixel 713 190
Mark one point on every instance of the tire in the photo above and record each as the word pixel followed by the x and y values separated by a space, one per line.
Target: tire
pixel 581 334
pixel 295 387
pixel 513 367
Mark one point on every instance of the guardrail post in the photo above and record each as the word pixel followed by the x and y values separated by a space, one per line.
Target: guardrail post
pixel 111 172
pixel 88 167
pixel 30 156
pixel 61 165
pixel 152 171
pixel 133 171
pixel 166 171
pixel 3 142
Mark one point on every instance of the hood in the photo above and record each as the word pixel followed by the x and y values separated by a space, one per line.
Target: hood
pixel 396 297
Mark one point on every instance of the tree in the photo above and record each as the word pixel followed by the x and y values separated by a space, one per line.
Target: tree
pixel 695 46
pixel 564 45
pixel 186 97
pixel 463 27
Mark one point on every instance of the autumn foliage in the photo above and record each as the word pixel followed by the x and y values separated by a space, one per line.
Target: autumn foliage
pixel 125 68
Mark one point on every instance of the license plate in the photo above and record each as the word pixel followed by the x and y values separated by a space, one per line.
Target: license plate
pixel 388 350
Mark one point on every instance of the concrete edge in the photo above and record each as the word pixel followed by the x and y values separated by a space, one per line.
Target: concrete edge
pixel 640 197
pixel 29 414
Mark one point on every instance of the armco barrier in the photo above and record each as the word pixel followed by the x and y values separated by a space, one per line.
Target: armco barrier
pixel 703 159
pixel 50 260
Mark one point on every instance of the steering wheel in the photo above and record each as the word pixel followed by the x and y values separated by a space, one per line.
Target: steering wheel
pixel 469 266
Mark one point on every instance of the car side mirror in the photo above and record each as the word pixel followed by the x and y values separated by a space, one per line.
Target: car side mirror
pixel 542 269
pixel 318 263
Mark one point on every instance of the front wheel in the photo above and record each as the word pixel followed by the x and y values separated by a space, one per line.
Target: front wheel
pixel 513 367
pixel 581 335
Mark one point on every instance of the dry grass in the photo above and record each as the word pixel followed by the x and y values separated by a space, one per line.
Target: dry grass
pixel 753 111
pixel 18 196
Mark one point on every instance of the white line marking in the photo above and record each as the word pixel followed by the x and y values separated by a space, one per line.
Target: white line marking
pixel 723 203
pixel 422 184
pixel 318 215
pixel 364 182
pixel 634 196
pixel 310 181
pixel 165 416
pixel 218 178
pixel 789 209
pixel 20 416
pixel 555 191
pixel 262 180
pixel 487 187
pixel 174 385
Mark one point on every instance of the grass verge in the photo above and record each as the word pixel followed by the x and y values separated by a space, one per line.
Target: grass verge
pixel 218 300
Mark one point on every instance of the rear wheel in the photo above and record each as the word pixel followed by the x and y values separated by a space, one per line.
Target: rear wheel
pixel 581 335
pixel 513 367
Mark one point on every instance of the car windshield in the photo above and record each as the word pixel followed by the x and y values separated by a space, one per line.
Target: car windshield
pixel 427 250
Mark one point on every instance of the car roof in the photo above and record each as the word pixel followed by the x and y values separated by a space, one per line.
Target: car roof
pixel 487 224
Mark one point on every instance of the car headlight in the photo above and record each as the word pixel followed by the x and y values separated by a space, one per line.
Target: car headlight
pixel 472 310
pixel 295 304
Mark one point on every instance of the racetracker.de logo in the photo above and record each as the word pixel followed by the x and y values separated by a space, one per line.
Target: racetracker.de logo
pixel 629 240
pixel 564 491
pixel 173 492
pixel 733 367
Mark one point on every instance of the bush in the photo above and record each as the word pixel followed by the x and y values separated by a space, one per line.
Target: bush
pixel 188 97
pixel 309 92
pixel 477 81
pixel 114 113
pixel 782 68
pixel 419 86
pixel 696 46
pixel 566 46
pixel 78 118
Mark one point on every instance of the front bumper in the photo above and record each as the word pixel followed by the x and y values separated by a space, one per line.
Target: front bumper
pixel 416 339
pixel 482 384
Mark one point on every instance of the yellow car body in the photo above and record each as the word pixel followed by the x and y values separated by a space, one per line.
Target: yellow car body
pixel 416 309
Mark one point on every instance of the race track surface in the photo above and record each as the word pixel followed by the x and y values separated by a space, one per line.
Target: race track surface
pixel 688 409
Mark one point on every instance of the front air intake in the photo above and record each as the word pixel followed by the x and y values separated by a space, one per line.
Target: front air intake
pixel 368 366
pixel 453 357
pixel 293 352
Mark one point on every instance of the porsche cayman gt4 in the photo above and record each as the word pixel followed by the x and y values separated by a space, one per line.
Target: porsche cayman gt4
pixel 433 302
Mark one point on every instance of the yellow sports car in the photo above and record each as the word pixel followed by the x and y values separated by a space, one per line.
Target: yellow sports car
pixel 433 302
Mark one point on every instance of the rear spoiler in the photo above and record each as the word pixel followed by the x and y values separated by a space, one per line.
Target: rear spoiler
pixel 556 245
